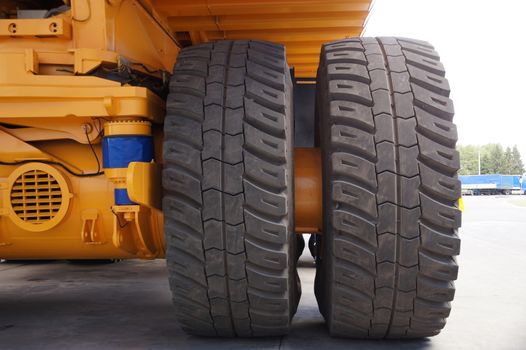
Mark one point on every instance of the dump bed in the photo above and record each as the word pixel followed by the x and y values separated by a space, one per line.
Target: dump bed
pixel 302 25
pixel 125 26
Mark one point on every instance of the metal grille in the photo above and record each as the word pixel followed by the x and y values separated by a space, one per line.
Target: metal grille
pixel 36 197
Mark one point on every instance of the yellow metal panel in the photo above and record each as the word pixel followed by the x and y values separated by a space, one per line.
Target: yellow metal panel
pixel 88 59
pixel 230 7
pixel 301 25
pixel 352 20
pixel 127 127
pixel 143 183
pixel 136 35
pixel 143 30
pixel 13 149
pixel 81 102
pixel 123 27
pixel 136 231
pixel 42 129
pixel 88 229
pixel 56 27
pixel 36 205
pixel 25 95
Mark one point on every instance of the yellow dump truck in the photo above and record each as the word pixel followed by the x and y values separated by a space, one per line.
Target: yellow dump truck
pixel 214 133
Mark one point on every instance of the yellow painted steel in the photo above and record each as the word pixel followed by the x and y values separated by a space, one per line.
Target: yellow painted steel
pixel 92 227
pixel 37 197
pixel 124 27
pixel 301 25
pixel 25 94
pixel 143 183
pixel 128 127
pixel 53 110
pixel 53 27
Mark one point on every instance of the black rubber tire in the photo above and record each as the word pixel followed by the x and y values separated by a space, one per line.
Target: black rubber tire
pixel 390 189
pixel 228 190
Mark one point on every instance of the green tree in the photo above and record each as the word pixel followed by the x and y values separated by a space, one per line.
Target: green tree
pixel 492 158
pixel 468 159
pixel 517 166
pixel 507 162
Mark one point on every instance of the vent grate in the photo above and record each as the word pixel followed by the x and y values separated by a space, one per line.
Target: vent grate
pixel 36 197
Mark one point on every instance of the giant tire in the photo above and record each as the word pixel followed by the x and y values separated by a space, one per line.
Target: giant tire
pixel 390 189
pixel 228 190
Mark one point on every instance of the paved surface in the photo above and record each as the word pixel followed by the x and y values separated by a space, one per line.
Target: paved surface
pixel 56 305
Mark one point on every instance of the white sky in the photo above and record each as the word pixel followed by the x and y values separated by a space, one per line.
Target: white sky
pixel 482 44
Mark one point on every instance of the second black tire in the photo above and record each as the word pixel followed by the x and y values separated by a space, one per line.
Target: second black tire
pixel 390 189
pixel 228 184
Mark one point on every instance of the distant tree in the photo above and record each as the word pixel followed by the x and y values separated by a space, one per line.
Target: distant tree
pixel 507 163
pixel 468 159
pixel 492 158
pixel 486 166
pixel 517 166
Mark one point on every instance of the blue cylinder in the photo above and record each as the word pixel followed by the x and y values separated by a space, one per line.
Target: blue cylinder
pixel 121 197
pixel 118 151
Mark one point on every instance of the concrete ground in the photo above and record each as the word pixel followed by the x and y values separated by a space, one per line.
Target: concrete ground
pixel 57 305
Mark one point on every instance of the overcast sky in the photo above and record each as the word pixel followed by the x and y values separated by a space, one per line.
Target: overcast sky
pixel 483 47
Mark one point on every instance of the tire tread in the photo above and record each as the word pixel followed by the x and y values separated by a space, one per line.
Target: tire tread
pixel 395 278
